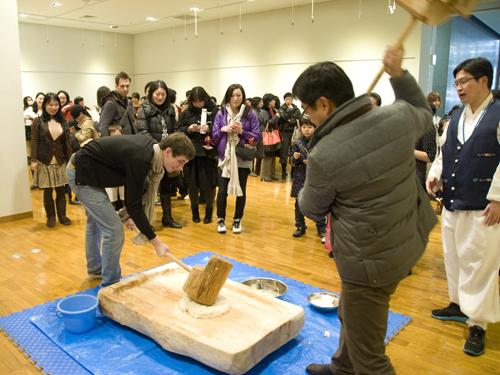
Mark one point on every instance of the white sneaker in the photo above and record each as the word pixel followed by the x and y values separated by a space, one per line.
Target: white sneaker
pixel 323 239
pixel 237 226
pixel 221 226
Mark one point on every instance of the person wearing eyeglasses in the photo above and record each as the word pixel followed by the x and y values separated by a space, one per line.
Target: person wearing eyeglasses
pixel 467 168
pixel 361 170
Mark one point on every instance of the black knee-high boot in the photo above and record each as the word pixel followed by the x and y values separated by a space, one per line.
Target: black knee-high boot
pixel 167 220
pixel 61 206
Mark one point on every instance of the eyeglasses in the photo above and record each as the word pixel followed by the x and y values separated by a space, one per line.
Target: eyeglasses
pixel 304 112
pixel 462 83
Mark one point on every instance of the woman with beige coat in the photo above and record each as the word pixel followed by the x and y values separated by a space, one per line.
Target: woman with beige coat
pixel 87 130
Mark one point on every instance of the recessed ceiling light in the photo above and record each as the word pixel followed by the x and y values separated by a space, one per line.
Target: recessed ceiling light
pixel 196 9
pixel 114 27
pixel 24 15
pixel 56 4
pixel 152 19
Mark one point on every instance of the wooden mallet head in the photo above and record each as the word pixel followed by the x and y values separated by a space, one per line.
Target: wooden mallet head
pixel 431 12
pixel 205 283
pixel 434 12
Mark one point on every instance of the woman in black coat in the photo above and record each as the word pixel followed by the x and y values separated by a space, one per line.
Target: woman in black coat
pixel 202 170
pixel 156 118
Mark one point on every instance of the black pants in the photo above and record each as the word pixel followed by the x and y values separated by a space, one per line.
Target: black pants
pixel 285 146
pixel 222 195
pixel 300 220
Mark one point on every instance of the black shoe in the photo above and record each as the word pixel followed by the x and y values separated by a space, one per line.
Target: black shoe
pixel 33 187
pixel 196 215
pixel 283 175
pixel 208 217
pixel 275 178
pixel 475 341
pixel 319 370
pixel 299 232
pixel 182 196
pixel 266 180
pixel 167 221
pixel 452 312
pixel 331 255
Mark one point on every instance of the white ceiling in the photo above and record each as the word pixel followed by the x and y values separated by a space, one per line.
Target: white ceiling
pixel 130 15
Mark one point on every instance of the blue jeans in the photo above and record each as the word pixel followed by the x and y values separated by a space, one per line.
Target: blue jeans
pixel 103 224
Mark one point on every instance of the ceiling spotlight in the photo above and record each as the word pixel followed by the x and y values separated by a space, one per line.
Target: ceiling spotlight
pixel 152 19
pixel 114 27
pixel 195 9
pixel 23 15
pixel 56 4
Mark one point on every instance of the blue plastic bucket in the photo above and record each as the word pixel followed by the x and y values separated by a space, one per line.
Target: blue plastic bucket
pixel 78 312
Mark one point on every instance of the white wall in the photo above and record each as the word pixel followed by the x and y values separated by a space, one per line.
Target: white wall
pixel 270 53
pixel 65 64
pixel 267 56
pixel 14 184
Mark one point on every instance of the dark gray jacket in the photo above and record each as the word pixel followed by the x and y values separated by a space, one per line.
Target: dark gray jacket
pixel 149 120
pixel 289 118
pixel 363 173
pixel 113 111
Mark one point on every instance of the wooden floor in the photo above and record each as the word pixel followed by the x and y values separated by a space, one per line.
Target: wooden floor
pixel 426 346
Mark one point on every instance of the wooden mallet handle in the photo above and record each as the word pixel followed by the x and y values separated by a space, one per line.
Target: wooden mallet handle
pixel 397 45
pixel 173 258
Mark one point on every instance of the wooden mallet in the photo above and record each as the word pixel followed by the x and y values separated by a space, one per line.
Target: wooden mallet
pixel 203 283
pixel 430 12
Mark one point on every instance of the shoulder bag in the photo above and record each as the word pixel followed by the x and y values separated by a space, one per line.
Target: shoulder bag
pixel 271 139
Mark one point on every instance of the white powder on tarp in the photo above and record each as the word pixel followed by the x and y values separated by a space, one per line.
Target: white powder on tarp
pixel 326 301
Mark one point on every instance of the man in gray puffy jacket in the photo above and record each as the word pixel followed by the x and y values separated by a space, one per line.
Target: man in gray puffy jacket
pixel 362 171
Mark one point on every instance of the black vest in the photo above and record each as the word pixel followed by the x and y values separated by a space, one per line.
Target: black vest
pixel 468 168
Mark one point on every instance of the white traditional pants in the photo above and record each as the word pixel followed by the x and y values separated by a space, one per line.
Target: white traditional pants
pixel 113 193
pixel 472 259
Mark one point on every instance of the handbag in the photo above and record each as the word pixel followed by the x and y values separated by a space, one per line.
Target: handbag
pixel 246 152
pixel 27 132
pixel 271 139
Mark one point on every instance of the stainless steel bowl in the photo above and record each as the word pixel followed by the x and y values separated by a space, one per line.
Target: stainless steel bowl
pixel 315 298
pixel 272 287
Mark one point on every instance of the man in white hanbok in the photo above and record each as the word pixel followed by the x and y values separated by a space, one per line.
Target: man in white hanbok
pixel 467 168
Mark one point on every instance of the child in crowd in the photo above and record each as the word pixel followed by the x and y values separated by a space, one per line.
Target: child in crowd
pixel 116 194
pixel 298 159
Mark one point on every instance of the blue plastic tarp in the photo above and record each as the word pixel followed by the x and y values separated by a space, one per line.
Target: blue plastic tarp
pixel 111 348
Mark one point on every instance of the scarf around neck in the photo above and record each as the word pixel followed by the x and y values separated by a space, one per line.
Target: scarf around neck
pixel 229 165
pixel 148 199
